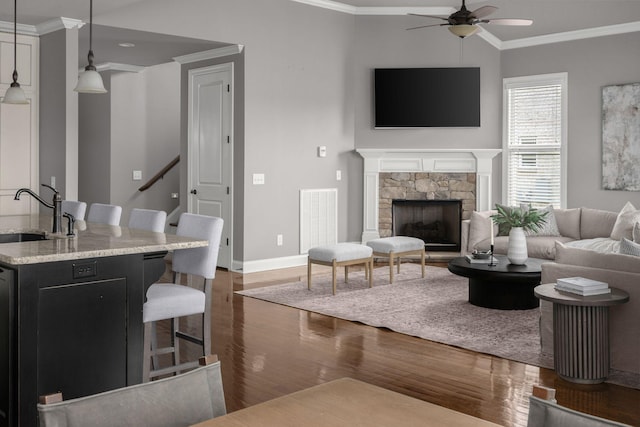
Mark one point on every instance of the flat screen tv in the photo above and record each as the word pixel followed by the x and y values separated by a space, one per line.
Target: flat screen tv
pixel 426 97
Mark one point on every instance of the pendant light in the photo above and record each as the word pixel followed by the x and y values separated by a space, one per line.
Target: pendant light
pixel 15 94
pixel 90 80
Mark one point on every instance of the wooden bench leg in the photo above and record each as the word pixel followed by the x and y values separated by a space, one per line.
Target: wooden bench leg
pixel 309 273
pixel 422 255
pixel 391 256
pixel 369 267
pixel 334 276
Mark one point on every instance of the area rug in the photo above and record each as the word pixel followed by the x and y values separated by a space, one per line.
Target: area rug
pixel 434 308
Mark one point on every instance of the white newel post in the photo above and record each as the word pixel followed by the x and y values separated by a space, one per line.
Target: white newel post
pixel 479 161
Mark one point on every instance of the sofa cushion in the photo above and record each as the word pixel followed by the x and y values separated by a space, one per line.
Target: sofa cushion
pixel 568 221
pixel 625 220
pixel 628 247
pixel 587 258
pixel 599 244
pixel 596 223
pixel 537 246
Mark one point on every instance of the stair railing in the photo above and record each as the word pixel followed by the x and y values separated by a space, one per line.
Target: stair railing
pixel 157 177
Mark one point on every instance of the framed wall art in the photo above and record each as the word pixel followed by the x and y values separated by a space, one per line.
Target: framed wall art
pixel 621 137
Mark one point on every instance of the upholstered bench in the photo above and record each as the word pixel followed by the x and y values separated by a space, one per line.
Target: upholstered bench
pixel 397 247
pixel 341 255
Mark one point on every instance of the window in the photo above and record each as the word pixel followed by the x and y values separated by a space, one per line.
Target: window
pixel 534 140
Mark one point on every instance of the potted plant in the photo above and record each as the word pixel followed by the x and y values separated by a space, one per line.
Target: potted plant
pixel 518 220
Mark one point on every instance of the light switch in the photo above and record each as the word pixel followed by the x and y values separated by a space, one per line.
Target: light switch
pixel 137 175
pixel 258 179
pixel 338 175
pixel 322 151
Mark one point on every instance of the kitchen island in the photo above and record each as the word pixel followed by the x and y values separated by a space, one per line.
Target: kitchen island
pixel 71 309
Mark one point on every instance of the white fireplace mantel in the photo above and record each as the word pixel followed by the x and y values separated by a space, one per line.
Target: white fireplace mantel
pixel 376 160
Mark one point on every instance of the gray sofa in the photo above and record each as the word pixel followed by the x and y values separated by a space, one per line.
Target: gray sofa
pixel 572 224
pixel 587 247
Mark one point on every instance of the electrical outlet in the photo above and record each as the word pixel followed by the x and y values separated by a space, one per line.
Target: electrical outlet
pixel 279 240
pixel 53 181
pixel 137 175
pixel 175 195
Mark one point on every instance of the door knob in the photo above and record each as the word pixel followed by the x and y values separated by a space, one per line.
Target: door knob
pixel 194 191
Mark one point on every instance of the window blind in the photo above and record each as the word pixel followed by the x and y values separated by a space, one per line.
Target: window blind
pixel 534 143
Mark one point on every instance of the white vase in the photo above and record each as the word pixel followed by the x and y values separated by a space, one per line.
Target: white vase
pixel 517 251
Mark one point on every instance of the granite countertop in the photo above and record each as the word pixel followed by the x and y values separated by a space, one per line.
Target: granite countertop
pixel 92 240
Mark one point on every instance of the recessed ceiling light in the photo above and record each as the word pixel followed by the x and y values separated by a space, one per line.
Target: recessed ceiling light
pixel 126 45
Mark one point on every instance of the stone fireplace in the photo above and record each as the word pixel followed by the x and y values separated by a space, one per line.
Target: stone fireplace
pixel 456 175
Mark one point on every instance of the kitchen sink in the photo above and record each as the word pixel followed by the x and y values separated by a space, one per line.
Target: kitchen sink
pixel 21 237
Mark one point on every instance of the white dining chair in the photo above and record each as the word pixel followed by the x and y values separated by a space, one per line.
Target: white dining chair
pixel 104 214
pixel 147 219
pixel 175 300
pixel 77 209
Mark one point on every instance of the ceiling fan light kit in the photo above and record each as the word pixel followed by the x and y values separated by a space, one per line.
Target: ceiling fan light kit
pixel 15 94
pixel 463 30
pixel 464 23
pixel 90 80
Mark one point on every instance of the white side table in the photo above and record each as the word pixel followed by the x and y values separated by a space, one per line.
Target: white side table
pixel 581 332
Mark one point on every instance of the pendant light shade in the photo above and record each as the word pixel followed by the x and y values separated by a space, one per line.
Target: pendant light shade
pixel 15 94
pixel 90 81
pixel 463 30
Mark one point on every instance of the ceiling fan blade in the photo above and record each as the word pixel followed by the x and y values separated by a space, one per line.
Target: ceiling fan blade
pixel 427 16
pixel 483 11
pixel 425 26
pixel 507 21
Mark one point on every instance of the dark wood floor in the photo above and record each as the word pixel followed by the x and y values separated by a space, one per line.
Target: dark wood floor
pixel 268 350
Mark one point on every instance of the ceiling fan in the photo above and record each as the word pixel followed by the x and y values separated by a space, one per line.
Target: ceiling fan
pixel 463 23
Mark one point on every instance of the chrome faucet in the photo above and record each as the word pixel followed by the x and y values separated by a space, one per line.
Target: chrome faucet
pixel 56 205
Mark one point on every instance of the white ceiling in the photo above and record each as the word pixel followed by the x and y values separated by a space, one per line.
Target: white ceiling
pixel 551 17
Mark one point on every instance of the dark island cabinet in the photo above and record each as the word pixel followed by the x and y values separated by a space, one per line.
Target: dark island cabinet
pixel 71 326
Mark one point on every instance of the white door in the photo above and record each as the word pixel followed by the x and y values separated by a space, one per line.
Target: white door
pixel 210 143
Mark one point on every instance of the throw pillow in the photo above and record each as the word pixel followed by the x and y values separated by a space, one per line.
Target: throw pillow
pixel 550 226
pixel 480 227
pixel 627 247
pixel 636 232
pixel 624 223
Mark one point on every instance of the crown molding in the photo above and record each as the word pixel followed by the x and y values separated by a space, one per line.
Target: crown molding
pixel 437 11
pixel 331 5
pixel 608 30
pixel 25 30
pixel 115 66
pixel 57 24
pixel 484 34
pixel 209 54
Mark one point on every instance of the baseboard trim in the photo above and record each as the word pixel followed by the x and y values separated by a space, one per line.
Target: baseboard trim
pixel 269 264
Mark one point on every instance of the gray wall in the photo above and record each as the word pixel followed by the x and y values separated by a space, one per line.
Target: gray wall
pixel 308 83
pixel 94 146
pixel 145 136
pixel 136 126
pixel 58 52
pixel 590 64
pixel 384 42
pixel 298 96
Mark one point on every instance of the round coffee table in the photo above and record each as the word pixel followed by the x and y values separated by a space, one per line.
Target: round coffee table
pixel 503 286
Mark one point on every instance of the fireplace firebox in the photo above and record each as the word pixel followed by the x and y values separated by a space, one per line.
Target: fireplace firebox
pixel 437 222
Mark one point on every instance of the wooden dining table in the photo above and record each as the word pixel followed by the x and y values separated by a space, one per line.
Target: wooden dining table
pixel 345 402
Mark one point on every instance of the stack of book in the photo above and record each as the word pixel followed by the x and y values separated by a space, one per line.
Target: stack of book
pixel 582 286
